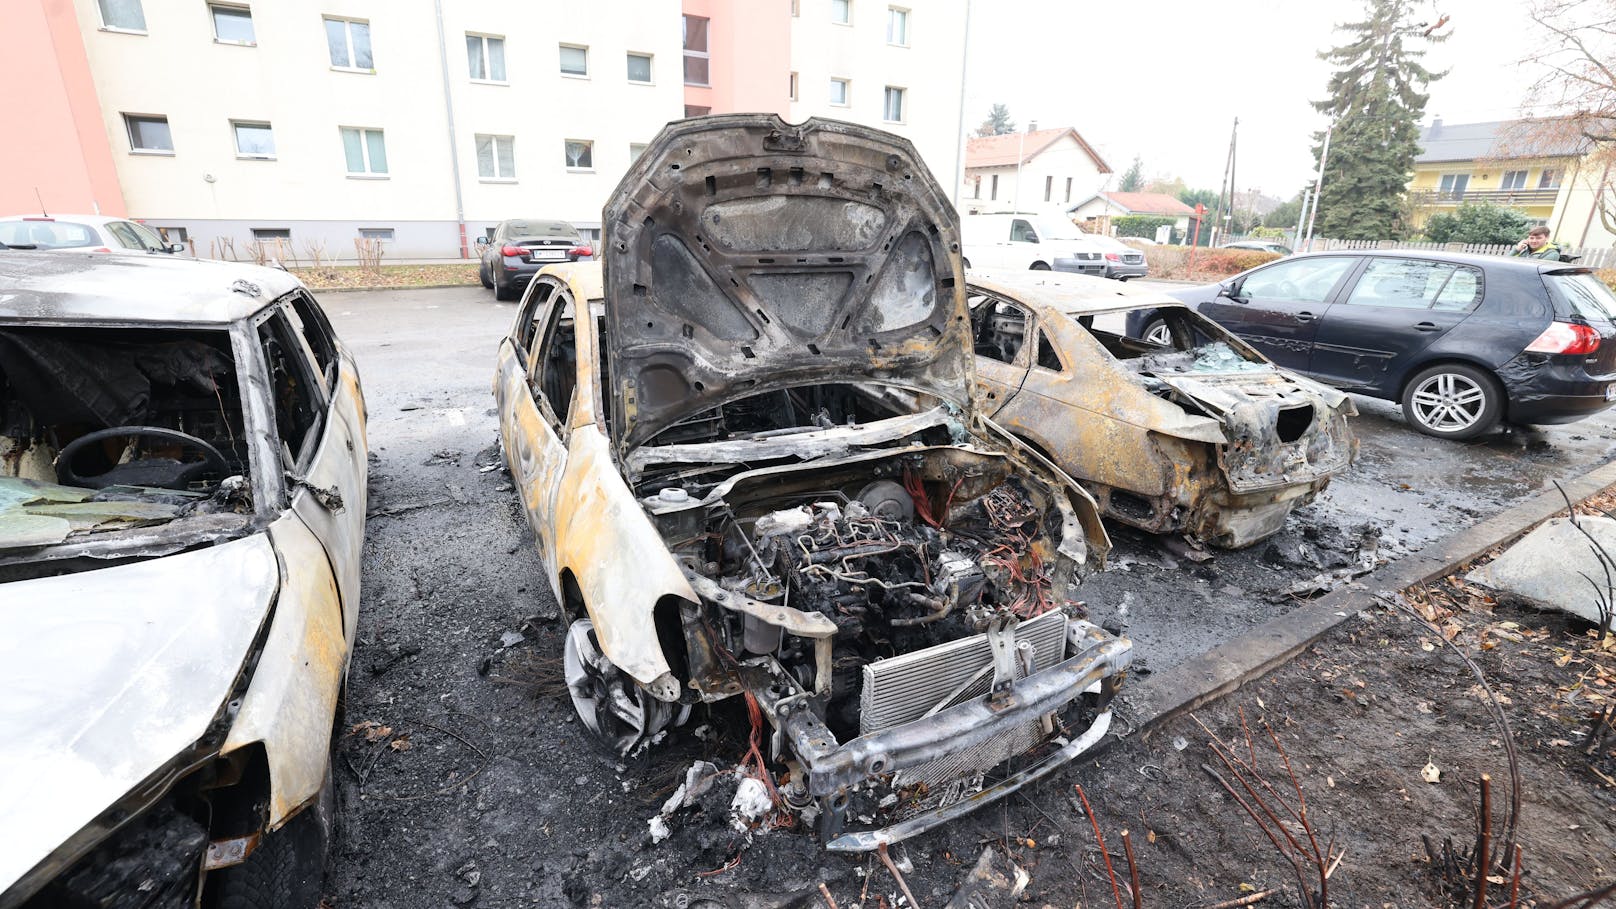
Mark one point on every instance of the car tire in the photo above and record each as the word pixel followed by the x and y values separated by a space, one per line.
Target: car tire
pixel 482 275
pixel 1039 266
pixel 504 291
pixel 287 870
pixel 1452 401
pixel 1157 332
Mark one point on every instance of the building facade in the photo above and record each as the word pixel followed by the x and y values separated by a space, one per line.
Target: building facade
pixel 316 123
pixel 1058 167
pixel 897 66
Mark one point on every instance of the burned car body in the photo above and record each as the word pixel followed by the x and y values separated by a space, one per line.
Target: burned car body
pixel 748 450
pixel 1200 435
pixel 182 500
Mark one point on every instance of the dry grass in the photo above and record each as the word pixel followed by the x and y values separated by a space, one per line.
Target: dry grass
pixel 348 276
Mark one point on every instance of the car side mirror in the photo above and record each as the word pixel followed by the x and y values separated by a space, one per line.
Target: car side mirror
pixel 481 241
pixel 1230 290
pixel 176 248
pixel 1032 238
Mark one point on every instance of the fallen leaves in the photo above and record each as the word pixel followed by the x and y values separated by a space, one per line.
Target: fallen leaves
pixel 1431 773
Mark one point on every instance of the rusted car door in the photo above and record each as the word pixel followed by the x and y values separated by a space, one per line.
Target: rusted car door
pixel 999 331
pixel 533 448
pixel 327 481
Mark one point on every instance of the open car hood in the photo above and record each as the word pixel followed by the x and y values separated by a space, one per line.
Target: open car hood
pixel 743 254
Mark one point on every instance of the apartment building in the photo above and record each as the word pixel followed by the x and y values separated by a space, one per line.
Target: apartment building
pixel 423 124
pixel 897 66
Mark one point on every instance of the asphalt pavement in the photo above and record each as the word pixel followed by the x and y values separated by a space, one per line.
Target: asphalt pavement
pixel 453 594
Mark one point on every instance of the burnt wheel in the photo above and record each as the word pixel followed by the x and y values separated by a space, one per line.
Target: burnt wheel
pixel 1452 401
pixel 287 869
pixel 616 711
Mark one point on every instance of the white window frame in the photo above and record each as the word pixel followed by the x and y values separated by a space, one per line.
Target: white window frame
pixel 364 154
pixel 847 92
pixel 498 177
pixel 903 103
pixel 578 170
pixel 119 29
pixel 580 47
pixel 904 12
pixel 235 139
pixel 488 66
pixel 347 36
pixel 129 133
pixel 1503 180
pixel 848 5
pixel 387 239
pixel 650 67
pixel 703 54
pixel 238 7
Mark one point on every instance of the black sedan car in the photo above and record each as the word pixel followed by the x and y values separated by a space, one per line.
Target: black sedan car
pixel 1462 342
pixel 520 247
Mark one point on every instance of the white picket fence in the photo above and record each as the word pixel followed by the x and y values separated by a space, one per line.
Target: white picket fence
pixel 1588 256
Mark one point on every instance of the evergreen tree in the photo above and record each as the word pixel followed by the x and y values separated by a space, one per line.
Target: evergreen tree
pixel 998 122
pixel 1376 101
pixel 1133 179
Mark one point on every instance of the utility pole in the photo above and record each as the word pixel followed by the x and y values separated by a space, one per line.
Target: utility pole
pixel 1021 152
pixel 1224 189
pixel 1301 217
pixel 959 148
pixel 1318 185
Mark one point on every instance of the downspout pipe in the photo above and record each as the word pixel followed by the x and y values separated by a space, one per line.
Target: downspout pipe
pixel 448 108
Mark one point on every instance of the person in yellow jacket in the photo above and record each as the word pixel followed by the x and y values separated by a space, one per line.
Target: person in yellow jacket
pixel 1537 245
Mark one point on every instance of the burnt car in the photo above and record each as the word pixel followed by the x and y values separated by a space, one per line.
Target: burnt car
pixel 182 505
pixel 519 247
pixel 748 449
pixel 1192 432
pixel 1462 342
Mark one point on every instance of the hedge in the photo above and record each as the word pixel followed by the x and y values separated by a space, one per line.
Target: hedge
pixel 1173 261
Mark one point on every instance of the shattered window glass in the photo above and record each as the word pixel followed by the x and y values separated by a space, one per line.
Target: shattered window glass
pixel 999 329
pixel 1047 358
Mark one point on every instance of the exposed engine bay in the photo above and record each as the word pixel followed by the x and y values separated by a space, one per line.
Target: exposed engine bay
pixel 104 430
pixel 867 583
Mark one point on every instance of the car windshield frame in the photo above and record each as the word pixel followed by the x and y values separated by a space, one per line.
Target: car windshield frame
pixel 25 227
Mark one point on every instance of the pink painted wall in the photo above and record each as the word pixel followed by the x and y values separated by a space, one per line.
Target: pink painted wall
pixel 750 46
pixel 58 144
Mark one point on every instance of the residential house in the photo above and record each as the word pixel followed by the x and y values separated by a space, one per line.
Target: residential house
pixel 1056 166
pixel 1098 209
pixel 1541 172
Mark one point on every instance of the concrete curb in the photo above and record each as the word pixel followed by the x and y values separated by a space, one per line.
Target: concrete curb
pixel 351 290
pixel 1232 665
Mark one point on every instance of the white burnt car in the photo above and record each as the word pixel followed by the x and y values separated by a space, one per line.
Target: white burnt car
pixel 182 504
pixel 748 449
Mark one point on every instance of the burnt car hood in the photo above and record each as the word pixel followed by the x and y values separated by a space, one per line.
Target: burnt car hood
pixel 109 675
pixel 744 254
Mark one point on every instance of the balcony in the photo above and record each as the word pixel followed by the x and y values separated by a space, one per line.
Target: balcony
pixel 1506 197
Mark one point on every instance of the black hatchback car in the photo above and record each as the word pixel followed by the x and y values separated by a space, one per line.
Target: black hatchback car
pixel 1461 341
pixel 520 247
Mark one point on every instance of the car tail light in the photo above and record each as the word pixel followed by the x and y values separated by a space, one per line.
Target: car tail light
pixel 512 251
pixel 1114 257
pixel 582 251
pixel 1566 338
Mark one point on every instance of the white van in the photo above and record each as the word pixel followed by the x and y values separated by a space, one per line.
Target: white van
pixel 1020 241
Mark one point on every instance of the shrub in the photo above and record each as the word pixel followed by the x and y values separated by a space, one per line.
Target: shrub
pixel 1477 224
pixel 1140 225
pixel 1173 261
pixel 1608 275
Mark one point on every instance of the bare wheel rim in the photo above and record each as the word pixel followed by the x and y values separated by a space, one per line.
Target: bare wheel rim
pixel 1448 402
pixel 1159 334
pixel 610 705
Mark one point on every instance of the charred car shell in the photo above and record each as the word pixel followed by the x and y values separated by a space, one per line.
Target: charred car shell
pixel 1202 436
pixel 753 467
pixel 175 631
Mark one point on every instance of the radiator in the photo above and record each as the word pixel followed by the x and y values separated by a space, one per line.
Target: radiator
pixel 908 687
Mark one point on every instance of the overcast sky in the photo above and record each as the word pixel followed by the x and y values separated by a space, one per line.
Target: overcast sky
pixel 1164 79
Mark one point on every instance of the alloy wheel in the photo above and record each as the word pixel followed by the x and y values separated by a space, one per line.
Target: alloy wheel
pixel 618 712
pixel 1448 402
pixel 1159 333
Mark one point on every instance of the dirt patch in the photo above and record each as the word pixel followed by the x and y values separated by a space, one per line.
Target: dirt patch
pixel 347 277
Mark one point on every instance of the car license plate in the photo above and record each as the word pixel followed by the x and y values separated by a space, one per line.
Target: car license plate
pixel 549 254
pixel 1610 392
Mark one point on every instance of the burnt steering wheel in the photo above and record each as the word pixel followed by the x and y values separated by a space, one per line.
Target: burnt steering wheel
pixel 162 473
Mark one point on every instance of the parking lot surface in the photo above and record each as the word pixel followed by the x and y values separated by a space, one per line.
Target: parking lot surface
pixel 468 781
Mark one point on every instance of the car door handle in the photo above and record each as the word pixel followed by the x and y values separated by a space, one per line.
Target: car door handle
pixel 1427 326
pixel 1305 317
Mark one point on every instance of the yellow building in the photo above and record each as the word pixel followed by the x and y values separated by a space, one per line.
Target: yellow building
pixel 1496 162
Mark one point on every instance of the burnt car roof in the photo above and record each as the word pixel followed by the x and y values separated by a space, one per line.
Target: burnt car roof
pixel 98 287
pixel 1076 295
